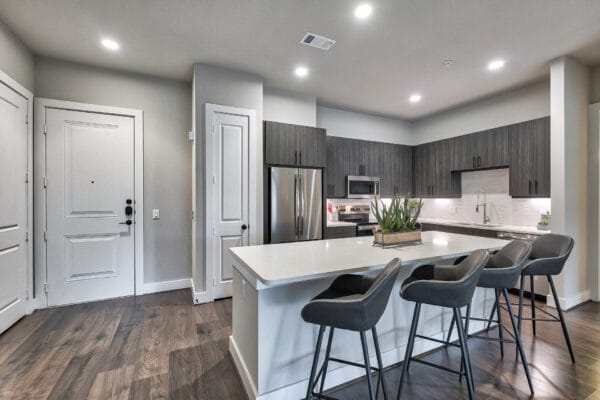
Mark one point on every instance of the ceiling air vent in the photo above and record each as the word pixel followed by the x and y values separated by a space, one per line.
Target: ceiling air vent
pixel 320 42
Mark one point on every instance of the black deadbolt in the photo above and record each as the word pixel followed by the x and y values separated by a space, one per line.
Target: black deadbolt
pixel 128 210
pixel 244 227
pixel 128 201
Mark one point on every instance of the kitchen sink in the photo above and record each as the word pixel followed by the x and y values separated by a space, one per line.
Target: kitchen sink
pixel 477 224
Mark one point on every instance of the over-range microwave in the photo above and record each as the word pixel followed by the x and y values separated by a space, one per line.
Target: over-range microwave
pixel 362 187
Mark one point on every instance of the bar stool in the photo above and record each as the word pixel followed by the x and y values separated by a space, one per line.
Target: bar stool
pixel 355 303
pixel 502 272
pixel 444 286
pixel 548 257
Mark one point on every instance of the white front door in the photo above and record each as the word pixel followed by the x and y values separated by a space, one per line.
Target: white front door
pixel 228 146
pixel 13 206
pixel 90 185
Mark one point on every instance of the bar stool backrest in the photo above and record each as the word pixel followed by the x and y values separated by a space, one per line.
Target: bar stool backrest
pixel 549 254
pixel 513 255
pixel 376 297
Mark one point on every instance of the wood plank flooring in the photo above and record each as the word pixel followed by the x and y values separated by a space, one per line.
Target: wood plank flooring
pixel 160 346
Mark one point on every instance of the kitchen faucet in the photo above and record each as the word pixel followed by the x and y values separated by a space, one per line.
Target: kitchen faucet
pixel 486 219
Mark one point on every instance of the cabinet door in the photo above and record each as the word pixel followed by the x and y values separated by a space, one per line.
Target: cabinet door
pixel 337 165
pixel 311 146
pixel 424 170
pixel 404 169
pixel 540 141
pixel 280 144
pixel 521 159
pixel 491 148
pixel 463 157
pixel 446 183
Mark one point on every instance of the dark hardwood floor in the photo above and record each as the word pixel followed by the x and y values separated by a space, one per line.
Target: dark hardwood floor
pixel 161 346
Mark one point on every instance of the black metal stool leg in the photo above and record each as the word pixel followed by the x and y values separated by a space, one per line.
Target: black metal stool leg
pixel 532 288
pixel 561 317
pixel 465 352
pixel 313 370
pixel 500 327
pixel 521 290
pixel 363 340
pixel 450 331
pixel 518 340
pixel 491 318
pixel 410 345
pixel 326 362
pixel 379 365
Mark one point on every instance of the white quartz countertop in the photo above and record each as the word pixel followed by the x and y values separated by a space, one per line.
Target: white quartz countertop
pixel 284 263
pixel 335 224
pixel 492 227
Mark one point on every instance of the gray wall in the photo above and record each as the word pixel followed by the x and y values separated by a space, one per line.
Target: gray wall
pixel 167 151
pixel 522 104
pixel 15 59
pixel 289 107
pixel 230 88
pixel 364 126
pixel 595 89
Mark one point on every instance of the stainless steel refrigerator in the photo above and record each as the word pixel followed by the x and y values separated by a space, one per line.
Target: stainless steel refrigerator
pixel 296 204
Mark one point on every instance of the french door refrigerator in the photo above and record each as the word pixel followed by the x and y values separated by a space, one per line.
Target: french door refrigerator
pixel 296 204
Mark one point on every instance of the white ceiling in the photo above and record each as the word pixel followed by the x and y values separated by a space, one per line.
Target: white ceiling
pixel 374 66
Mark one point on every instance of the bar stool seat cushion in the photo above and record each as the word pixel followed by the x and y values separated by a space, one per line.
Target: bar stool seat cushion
pixel 445 285
pixel 352 302
pixel 549 254
pixel 504 268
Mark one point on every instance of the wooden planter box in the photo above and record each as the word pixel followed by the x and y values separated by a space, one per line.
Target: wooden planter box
pixel 394 239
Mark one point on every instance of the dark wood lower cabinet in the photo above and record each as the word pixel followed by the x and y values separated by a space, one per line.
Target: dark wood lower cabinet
pixel 462 230
pixel 338 232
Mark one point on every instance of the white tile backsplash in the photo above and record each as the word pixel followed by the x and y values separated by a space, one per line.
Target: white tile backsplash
pixel 501 208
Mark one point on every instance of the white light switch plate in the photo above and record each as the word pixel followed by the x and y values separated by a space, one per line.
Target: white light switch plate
pixel 156 213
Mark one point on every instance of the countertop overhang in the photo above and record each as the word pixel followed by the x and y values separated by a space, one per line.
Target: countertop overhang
pixel 286 263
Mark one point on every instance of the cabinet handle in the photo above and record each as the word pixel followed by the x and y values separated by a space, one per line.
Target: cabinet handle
pixel 296 157
pixel 474 163
pixel 536 186
pixel 300 158
pixel 529 187
pixel 478 161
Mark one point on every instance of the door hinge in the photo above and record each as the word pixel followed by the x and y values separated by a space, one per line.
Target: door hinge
pixel 27 294
pixel 192 215
pixel 45 182
pixel 214 180
pixel 45 236
pixel 191 136
pixel 213 229
pixel 45 129
pixel 27 119
pixel 46 287
pixel 27 236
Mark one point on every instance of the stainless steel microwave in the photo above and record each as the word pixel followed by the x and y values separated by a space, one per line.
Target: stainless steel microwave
pixel 362 187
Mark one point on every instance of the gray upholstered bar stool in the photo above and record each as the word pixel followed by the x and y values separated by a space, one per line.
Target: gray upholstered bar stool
pixel 501 273
pixel 548 257
pixel 355 303
pixel 444 286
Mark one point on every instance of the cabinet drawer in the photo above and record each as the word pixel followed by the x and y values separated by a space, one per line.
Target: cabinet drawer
pixel 339 232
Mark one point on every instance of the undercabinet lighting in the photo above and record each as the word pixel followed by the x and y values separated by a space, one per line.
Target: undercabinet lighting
pixel 415 98
pixel 496 65
pixel 301 71
pixel 110 44
pixel 363 11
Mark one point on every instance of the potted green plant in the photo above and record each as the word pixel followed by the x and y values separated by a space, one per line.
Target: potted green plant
pixel 397 222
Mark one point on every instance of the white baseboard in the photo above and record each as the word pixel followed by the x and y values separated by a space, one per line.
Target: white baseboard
pixel 243 372
pixel 200 297
pixel 156 287
pixel 569 302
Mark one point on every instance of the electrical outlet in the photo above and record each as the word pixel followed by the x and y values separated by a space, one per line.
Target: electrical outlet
pixel 156 213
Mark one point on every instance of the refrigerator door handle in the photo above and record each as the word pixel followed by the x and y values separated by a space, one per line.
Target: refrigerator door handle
pixel 301 196
pixel 296 226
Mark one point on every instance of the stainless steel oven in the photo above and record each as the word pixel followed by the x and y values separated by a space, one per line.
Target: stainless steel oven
pixel 362 187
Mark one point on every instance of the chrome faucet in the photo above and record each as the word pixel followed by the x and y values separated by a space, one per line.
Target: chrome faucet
pixel 486 219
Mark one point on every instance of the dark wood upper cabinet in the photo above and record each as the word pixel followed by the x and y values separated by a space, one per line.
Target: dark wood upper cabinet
pixel 294 145
pixel 433 170
pixel 529 144
pixel 481 150
pixel 337 167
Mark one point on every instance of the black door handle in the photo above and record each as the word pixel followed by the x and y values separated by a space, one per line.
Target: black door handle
pixel 128 210
pixel 128 222
pixel 244 227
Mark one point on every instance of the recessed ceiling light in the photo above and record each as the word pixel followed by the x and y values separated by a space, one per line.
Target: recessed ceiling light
pixel 363 11
pixel 110 44
pixel 496 65
pixel 415 98
pixel 301 71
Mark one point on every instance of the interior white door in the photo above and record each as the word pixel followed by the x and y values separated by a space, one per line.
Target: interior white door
pixel 230 163
pixel 90 184
pixel 13 206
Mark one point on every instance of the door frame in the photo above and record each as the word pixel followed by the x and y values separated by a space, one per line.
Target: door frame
pixel 41 104
pixel 9 82
pixel 254 202
pixel 594 132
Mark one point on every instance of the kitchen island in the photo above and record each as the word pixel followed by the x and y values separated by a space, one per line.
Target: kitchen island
pixel 272 347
